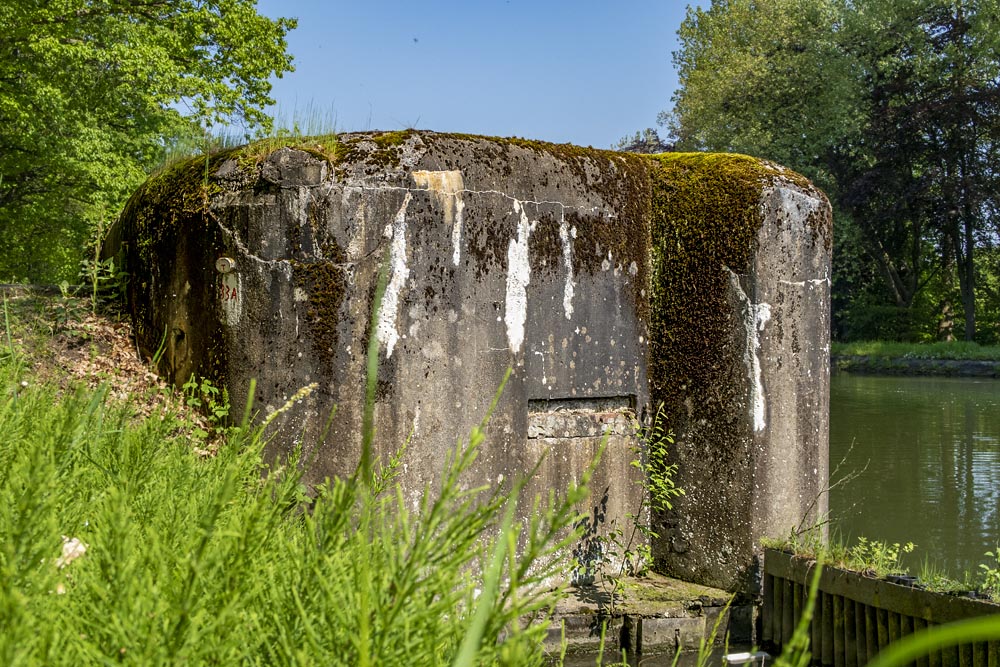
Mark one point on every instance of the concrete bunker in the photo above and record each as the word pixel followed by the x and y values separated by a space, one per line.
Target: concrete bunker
pixel 608 282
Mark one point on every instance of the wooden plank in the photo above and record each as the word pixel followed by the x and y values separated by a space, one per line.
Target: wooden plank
pixel 894 626
pixel 932 660
pixel 816 629
pixel 979 654
pixel 839 634
pixel 826 652
pixel 779 611
pixel 767 609
pixel 949 656
pixel 882 628
pixel 796 604
pixel 871 633
pixel 965 655
pixel 850 635
pixel 862 635
pixel 787 612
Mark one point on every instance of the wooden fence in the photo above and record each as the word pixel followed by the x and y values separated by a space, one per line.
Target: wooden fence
pixel 855 616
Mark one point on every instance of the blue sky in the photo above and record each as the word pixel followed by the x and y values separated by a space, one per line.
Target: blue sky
pixel 582 72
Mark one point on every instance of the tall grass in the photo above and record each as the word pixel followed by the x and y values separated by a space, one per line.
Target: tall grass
pixel 300 126
pixel 227 561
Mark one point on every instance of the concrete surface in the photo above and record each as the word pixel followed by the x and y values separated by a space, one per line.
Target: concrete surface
pixel 262 264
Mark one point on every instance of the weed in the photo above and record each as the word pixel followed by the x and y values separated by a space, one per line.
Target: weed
pixel 934 579
pixel 991 575
pixel 65 309
pixel 872 557
pixel 91 269
pixel 878 558
pixel 106 281
pixel 210 400
pixel 626 550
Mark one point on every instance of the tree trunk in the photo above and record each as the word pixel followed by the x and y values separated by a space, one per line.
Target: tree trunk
pixel 967 279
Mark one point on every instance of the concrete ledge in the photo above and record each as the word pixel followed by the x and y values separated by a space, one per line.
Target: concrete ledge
pixel 654 615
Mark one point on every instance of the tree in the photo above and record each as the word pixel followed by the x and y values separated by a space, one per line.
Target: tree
pixel 892 106
pixel 765 78
pixel 93 92
pixel 930 141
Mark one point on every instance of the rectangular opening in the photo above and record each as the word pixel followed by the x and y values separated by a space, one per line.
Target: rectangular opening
pixel 591 417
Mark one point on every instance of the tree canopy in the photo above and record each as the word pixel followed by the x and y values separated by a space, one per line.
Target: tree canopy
pixel 92 95
pixel 893 107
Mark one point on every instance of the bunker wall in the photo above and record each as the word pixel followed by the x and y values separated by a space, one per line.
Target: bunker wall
pixel 606 282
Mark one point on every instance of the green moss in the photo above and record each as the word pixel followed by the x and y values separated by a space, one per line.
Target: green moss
pixel 657 588
pixel 325 283
pixel 176 198
pixel 390 139
pixel 372 151
pixel 706 213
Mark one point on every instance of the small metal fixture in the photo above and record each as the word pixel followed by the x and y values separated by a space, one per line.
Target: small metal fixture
pixel 755 658
pixel 225 264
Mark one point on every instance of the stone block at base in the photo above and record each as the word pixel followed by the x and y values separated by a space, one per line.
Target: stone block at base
pixel 655 614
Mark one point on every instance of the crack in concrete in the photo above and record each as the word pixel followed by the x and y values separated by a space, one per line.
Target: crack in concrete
pixel 242 247
pixel 469 191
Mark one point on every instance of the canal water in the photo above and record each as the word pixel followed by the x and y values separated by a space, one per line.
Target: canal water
pixel 926 454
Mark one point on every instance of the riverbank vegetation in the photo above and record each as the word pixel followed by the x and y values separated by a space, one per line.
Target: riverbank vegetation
pixel 882 349
pixel 130 533
pixel 884 560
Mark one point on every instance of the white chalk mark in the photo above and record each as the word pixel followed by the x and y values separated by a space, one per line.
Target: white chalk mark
pixel 396 232
pixel 231 295
pixel 608 214
pixel 518 277
pixel 815 282
pixel 757 316
pixel 542 355
pixel 566 235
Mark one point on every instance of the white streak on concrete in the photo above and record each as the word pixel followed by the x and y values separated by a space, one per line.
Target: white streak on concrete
pixel 396 232
pixel 757 316
pixel 815 282
pixel 231 295
pixel 542 362
pixel 518 277
pixel 567 236
pixel 456 231
pixel 447 187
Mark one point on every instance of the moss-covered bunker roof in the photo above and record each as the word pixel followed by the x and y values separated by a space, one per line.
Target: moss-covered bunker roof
pixel 695 212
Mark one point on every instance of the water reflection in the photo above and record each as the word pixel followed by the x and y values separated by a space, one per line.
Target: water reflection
pixel 932 450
